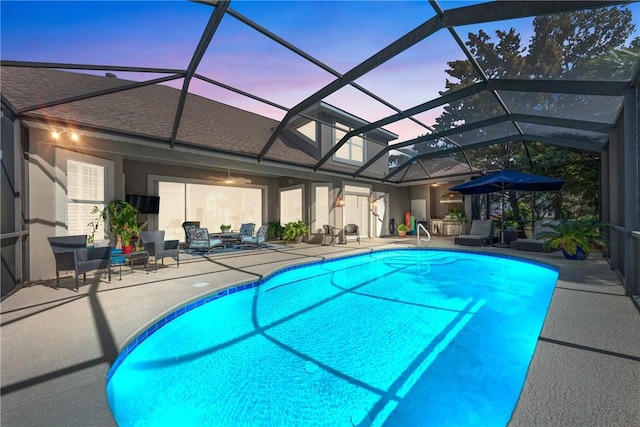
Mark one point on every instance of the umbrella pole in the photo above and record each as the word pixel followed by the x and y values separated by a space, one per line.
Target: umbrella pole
pixel 502 218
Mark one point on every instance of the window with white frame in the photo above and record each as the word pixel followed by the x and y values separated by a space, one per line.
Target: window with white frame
pixel 351 151
pixel 85 189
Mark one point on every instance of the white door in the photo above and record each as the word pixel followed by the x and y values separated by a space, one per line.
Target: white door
pixel 356 211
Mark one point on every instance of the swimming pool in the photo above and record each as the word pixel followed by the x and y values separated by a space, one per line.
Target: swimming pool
pixel 393 337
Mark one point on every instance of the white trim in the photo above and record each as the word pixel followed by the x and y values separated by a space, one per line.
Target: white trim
pixel 302 206
pixel 313 210
pixel 61 156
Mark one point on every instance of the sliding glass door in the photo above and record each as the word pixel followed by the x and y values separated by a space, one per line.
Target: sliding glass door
pixel 212 205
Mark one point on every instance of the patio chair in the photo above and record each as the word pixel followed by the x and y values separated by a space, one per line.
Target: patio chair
pixel 352 230
pixel 71 253
pixel 201 241
pixel 481 233
pixel 247 229
pixel 534 244
pixel 258 240
pixel 186 225
pixel 154 243
pixel 331 234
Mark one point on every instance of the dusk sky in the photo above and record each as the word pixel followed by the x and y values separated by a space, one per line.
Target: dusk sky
pixel 165 34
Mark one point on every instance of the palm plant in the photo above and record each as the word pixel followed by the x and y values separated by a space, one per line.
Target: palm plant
pixel 571 235
pixel 123 220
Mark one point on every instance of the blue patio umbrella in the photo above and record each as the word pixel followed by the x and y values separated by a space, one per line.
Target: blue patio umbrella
pixel 508 180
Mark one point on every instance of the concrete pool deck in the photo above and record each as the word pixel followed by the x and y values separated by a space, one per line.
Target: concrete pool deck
pixel 57 345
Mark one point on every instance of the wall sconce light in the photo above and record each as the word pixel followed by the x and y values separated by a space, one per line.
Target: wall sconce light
pixel 58 134
pixel 339 202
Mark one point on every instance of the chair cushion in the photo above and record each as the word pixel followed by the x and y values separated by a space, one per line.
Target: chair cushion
pixel 198 233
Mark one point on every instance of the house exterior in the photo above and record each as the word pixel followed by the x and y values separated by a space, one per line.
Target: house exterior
pixel 66 152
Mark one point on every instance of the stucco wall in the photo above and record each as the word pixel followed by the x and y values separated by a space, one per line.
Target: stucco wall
pixel 47 177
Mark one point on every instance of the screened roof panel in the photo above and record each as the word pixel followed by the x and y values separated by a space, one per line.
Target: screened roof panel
pixel 596 108
pixel 498 156
pixel 549 56
pixel 409 127
pixel 470 137
pixel 415 75
pixel 358 104
pixel 469 110
pixel 366 40
pixel 339 34
pixel 242 58
pixel 120 33
pixel 424 169
pixel 588 137
pixel 211 91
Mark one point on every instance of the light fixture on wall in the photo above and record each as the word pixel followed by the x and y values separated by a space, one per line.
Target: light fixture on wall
pixel 58 134
pixel 339 202
pixel 229 180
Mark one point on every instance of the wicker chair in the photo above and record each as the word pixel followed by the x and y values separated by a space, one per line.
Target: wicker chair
pixel 71 253
pixel 154 243
pixel 331 234
pixel 352 230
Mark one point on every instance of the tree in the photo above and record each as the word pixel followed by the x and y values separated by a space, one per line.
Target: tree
pixel 563 46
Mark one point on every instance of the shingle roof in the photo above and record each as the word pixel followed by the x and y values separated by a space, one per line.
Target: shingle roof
pixel 146 111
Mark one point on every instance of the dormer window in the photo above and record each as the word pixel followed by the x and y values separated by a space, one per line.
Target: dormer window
pixel 353 150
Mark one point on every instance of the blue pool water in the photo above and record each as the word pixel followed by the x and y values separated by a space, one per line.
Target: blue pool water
pixel 397 337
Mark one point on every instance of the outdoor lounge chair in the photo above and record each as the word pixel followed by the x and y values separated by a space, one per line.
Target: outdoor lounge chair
pixel 534 244
pixel 185 225
pixel 331 234
pixel 258 240
pixel 201 241
pixel 247 229
pixel 154 243
pixel 481 234
pixel 351 230
pixel 71 253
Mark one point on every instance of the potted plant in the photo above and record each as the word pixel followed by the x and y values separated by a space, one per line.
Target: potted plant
pixel 577 238
pixel 459 217
pixel 294 230
pixel 511 224
pixel 123 222
pixel 274 230
pixel 402 230
pixel 225 228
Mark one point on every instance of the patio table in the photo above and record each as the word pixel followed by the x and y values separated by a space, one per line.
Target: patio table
pixel 119 259
pixel 228 239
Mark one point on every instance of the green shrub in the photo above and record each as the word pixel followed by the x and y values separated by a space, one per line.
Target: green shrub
pixel 571 234
pixel 293 230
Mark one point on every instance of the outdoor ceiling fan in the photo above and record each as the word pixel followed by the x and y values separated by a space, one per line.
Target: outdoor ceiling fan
pixel 231 179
